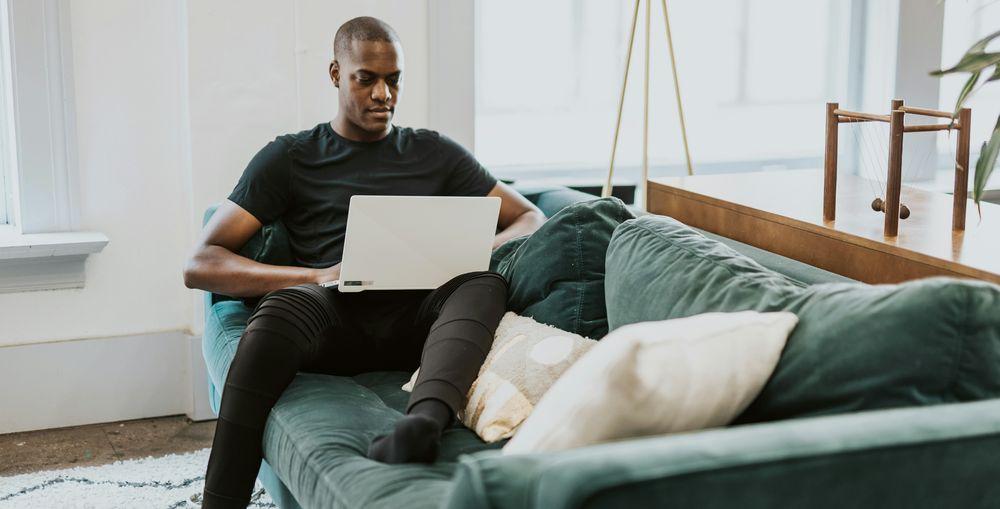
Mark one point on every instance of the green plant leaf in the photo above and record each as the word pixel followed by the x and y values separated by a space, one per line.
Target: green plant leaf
pixel 996 74
pixel 974 59
pixel 971 62
pixel 986 163
pixel 981 44
pixel 966 91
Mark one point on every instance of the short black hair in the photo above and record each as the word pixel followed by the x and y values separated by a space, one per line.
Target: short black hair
pixel 363 28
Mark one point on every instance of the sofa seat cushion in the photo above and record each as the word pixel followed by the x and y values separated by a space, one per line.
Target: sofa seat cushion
pixel 857 347
pixel 319 431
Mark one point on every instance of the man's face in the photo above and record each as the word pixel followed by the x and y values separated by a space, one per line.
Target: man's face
pixel 369 77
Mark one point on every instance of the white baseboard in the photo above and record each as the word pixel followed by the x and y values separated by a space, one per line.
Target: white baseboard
pixel 199 408
pixel 70 383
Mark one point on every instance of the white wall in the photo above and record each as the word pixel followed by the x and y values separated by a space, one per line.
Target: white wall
pixel 173 98
pixel 127 64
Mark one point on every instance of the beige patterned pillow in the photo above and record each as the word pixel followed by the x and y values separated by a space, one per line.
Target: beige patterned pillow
pixel 526 359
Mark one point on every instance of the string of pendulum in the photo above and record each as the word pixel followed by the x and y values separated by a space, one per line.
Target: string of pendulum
pixel 884 143
pixel 861 155
pixel 874 167
pixel 879 163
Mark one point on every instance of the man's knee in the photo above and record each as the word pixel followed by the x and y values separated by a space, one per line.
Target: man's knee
pixel 481 296
pixel 298 314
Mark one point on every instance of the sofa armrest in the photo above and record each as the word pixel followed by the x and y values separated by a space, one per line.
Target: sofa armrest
pixel 913 457
pixel 224 325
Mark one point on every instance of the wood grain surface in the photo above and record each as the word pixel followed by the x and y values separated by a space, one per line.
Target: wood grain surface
pixel 782 212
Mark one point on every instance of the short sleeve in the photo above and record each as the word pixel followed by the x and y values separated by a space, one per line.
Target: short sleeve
pixel 468 177
pixel 263 189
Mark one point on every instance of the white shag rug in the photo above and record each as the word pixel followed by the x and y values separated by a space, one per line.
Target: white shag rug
pixel 168 482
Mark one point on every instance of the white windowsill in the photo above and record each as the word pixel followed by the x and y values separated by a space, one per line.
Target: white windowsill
pixel 45 261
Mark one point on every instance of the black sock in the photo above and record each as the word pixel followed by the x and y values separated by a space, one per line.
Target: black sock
pixel 417 436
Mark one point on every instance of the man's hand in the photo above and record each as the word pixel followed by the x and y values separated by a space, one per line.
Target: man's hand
pixel 328 274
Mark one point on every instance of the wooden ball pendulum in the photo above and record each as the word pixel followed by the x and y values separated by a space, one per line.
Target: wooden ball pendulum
pixel 878 205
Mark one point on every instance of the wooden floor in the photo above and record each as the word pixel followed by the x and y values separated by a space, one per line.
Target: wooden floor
pixel 98 444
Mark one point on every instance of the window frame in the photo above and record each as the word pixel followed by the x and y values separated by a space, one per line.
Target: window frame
pixel 41 247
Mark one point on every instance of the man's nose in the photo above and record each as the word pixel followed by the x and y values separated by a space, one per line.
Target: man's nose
pixel 381 93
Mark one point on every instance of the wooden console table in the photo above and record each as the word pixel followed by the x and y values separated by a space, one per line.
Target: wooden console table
pixel 782 212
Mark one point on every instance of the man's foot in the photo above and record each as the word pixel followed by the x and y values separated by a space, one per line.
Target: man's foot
pixel 416 439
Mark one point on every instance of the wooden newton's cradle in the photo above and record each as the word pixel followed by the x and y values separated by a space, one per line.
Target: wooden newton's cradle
pixel 893 209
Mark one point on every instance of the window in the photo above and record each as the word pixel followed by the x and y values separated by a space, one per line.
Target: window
pixel 38 138
pixel 753 84
pixel 40 246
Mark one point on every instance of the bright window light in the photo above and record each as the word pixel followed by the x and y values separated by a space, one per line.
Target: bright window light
pixel 754 84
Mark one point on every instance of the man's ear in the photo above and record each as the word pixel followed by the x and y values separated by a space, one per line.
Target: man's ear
pixel 335 73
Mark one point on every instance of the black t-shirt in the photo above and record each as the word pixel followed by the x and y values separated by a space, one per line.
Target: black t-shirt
pixel 307 180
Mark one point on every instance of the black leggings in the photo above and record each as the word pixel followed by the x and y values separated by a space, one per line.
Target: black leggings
pixel 447 332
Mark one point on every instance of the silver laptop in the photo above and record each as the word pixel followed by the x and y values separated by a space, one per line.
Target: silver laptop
pixel 415 242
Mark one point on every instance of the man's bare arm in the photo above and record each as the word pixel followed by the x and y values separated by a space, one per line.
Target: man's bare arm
pixel 216 267
pixel 518 216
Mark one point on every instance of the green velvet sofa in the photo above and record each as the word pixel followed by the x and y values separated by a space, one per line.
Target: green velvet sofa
pixel 940 455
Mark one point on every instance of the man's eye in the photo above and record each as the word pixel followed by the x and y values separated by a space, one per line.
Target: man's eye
pixel 364 79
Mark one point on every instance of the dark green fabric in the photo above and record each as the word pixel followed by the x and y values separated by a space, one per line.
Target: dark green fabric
pixel 269 245
pixel 856 347
pixel 552 199
pixel 557 274
pixel 318 432
pixel 794 269
pixel 941 456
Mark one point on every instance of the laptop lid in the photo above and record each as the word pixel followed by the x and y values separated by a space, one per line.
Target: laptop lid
pixel 415 242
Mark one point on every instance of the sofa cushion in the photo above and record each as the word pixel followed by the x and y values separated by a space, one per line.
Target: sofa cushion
pixel 526 358
pixel 318 432
pixel 556 275
pixel 653 378
pixel 269 245
pixel 856 347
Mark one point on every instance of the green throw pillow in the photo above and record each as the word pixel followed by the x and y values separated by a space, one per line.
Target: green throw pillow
pixel 269 245
pixel 556 275
pixel 856 347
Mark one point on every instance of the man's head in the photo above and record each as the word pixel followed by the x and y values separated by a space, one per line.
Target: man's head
pixel 367 69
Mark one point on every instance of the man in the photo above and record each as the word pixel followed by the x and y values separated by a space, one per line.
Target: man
pixel 307 179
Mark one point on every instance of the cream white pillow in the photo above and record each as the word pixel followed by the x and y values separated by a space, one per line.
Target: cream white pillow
pixel 525 360
pixel 658 377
